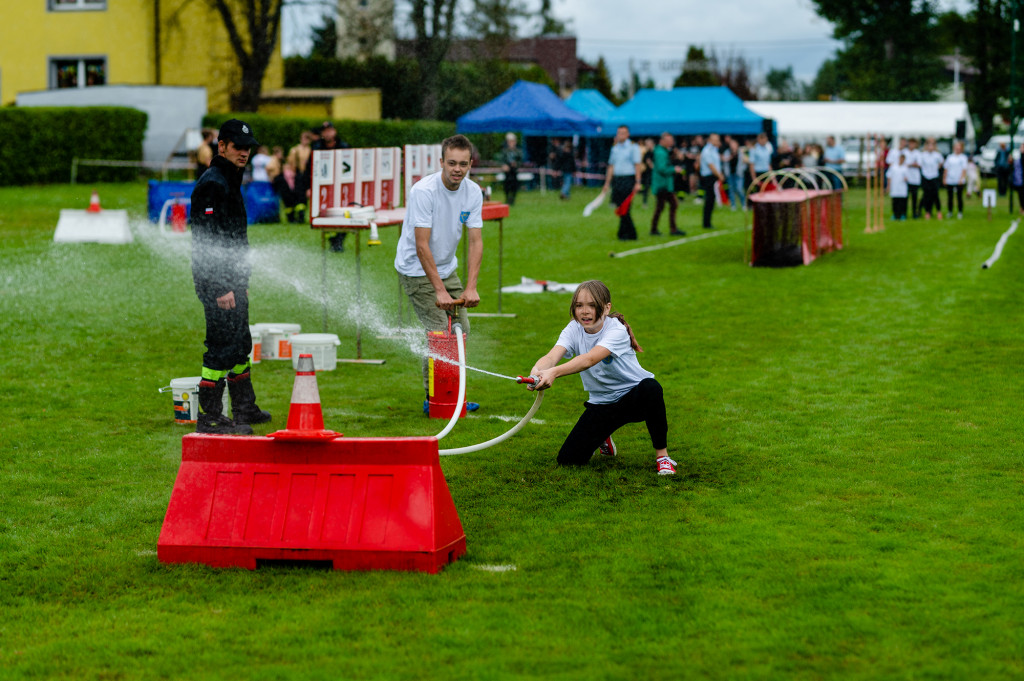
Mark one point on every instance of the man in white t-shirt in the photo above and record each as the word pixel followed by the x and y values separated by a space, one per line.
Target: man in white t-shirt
pixel 438 208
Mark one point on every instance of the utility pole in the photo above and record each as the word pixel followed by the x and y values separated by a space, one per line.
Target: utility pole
pixel 1015 9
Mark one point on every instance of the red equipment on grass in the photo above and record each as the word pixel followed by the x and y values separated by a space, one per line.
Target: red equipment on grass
pixel 443 371
pixel 307 494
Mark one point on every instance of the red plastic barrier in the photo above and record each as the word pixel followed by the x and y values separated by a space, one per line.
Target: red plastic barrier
pixel 360 503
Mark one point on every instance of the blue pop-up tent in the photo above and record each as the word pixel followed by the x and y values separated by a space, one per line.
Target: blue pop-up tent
pixel 529 108
pixel 591 103
pixel 685 111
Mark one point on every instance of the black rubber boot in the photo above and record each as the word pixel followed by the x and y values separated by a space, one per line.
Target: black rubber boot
pixel 211 417
pixel 243 400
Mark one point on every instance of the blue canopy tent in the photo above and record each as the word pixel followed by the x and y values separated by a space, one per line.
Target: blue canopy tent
pixel 591 103
pixel 529 108
pixel 685 111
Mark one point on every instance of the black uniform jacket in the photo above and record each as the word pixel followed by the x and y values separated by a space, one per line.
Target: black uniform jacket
pixel 220 243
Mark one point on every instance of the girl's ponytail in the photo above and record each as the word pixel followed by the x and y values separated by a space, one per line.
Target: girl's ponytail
pixel 632 339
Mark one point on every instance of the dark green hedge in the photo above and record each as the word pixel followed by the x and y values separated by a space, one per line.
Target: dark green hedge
pixel 284 131
pixel 40 142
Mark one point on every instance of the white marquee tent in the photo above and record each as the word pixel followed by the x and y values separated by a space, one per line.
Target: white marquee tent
pixel 813 121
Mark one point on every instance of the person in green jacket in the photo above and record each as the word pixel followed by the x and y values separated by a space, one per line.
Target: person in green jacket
pixel 663 184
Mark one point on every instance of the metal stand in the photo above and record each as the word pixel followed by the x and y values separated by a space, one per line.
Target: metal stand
pixel 359 294
pixel 501 267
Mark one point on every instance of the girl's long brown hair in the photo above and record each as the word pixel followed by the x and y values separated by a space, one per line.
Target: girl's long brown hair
pixel 602 296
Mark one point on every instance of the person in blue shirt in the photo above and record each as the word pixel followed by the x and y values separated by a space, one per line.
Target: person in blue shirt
pixel 761 156
pixel 625 165
pixel 835 157
pixel 601 347
pixel 710 173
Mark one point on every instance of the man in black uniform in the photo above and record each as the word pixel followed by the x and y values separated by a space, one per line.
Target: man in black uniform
pixel 220 269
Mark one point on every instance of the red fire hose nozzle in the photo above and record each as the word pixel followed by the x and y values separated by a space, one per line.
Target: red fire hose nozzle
pixel 531 380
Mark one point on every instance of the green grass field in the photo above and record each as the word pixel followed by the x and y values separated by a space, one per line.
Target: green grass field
pixel 849 439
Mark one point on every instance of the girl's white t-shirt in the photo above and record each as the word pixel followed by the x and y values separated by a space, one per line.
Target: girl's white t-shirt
pixel 956 166
pixel 897 181
pixel 610 379
pixel 445 212
pixel 930 162
pixel 913 163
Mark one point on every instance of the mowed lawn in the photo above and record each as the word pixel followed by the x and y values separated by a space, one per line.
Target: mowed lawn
pixel 849 435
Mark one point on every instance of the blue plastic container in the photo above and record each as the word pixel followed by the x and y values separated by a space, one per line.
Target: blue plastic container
pixel 261 201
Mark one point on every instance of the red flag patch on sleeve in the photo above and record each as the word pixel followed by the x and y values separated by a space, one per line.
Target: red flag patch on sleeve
pixel 209 211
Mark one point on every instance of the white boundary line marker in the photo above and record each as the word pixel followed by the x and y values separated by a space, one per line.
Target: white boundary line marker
pixel 999 246
pixel 496 568
pixel 509 419
pixel 675 242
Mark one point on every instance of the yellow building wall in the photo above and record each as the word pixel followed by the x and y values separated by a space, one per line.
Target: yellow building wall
pixel 358 106
pixel 30 35
pixel 195 49
pixel 305 108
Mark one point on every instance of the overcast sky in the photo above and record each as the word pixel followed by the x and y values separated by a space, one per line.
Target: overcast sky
pixel 655 33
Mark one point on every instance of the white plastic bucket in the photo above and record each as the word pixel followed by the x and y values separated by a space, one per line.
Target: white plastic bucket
pixel 256 354
pixel 276 340
pixel 323 347
pixel 185 393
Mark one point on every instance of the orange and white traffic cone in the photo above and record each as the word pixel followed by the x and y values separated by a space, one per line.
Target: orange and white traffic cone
pixel 94 202
pixel 305 416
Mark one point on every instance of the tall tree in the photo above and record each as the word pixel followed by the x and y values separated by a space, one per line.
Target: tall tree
pixel 890 50
pixel 735 75
pixel 600 79
pixel 827 84
pixel 433 25
pixel 549 24
pixel 495 23
pixel 698 69
pixel 781 83
pixel 983 37
pixel 254 43
pixel 325 39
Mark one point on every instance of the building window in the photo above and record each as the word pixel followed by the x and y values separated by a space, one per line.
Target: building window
pixel 77 72
pixel 65 5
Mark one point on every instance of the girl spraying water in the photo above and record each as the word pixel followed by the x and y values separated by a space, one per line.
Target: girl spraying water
pixel 603 351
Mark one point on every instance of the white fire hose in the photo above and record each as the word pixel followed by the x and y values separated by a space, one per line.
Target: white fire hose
pixel 457 329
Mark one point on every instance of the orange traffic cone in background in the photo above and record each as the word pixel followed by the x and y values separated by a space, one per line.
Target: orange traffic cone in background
pixel 305 416
pixel 94 202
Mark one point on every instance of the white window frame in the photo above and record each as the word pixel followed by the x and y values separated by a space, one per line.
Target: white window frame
pixel 76 6
pixel 81 59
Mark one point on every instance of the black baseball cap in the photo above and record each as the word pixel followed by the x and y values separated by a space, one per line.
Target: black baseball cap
pixel 238 132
